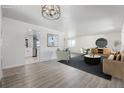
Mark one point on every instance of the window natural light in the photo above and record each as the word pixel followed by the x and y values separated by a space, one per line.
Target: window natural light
pixel 71 43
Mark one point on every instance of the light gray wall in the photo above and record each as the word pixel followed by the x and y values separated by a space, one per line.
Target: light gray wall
pixel 0 40
pixel 14 42
pixel 13 46
pixel 122 39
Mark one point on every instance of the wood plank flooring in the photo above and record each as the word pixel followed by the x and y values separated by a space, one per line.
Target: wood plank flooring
pixel 53 74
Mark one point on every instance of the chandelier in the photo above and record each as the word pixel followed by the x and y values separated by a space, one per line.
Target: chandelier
pixel 51 12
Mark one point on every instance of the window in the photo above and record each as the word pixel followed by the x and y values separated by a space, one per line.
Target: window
pixel 71 43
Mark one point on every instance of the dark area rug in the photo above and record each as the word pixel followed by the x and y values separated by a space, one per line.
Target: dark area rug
pixel 79 63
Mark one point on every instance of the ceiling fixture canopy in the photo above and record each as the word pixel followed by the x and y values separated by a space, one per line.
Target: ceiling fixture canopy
pixel 51 12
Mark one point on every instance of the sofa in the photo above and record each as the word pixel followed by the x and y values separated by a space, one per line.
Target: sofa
pixel 114 68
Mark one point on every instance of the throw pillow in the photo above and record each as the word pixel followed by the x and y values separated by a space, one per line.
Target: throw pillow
pixel 111 57
pixel 122 57
pixel 115 55
pixel 118 58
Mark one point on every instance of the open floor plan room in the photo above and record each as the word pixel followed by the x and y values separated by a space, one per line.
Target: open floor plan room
pixel 61 46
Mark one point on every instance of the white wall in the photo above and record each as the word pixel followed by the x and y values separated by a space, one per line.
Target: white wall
pixel 112 38
pixel 122 39
pixel 0 41
pixel 89 41
pixel 14 42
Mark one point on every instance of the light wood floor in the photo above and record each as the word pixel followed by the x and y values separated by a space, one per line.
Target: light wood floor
pixel 54 74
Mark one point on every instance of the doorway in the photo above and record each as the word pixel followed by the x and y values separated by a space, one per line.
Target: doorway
pixel 32 46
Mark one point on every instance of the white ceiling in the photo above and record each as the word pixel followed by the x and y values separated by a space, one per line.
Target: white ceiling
pixel 75 20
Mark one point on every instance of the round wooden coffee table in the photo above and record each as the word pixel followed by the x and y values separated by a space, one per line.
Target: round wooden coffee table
pixel 92 60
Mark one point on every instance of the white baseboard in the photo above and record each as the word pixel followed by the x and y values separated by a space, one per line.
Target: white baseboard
pixel 46 59
pixel 12 66
pixel 41 60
